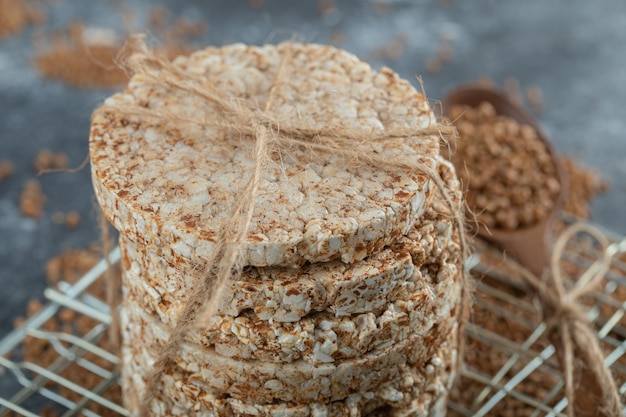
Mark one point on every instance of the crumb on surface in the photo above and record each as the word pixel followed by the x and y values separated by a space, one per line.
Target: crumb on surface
pixel 72 220
pixel 6 169
pixel 15 15
pixel 46 159
pixel 32 199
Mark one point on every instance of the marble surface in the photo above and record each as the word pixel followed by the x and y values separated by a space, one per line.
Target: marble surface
pixel 574 51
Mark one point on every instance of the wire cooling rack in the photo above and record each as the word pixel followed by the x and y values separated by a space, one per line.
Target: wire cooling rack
pixel 511 369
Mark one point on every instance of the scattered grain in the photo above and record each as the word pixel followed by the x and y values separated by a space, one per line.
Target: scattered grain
pixel 15 15
pixel 72 220
pixel 512 181
pixel 158 17
pixel 71 265
pixel 81 62
pixel 6 169
pixel 18 321
pixel 84 324
pixel 174 33
pixel 46 159
pixel 32 199
pixel 87 58
pixel 33 307
pixel 67 315
pixel 325 7
pixel 184 28
pixel 256 4
pixel 47 411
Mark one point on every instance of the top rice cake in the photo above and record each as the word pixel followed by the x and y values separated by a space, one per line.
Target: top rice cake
pixel 174 184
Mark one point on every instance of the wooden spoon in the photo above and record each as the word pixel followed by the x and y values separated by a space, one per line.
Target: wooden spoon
pixel 528 245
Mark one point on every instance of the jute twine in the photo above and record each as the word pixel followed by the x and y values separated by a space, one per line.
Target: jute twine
pixel 569 326
pixel 112 289
pixel 271 135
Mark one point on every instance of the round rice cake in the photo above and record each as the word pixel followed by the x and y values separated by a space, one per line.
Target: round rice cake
pixel 325 338
pixel 282 294
pixel 299 381
pixel 419 391
pixel 287 294
pixel 318 338
pixel 174 184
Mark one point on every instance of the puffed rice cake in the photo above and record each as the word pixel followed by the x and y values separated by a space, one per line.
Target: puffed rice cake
pixel 417 302
pixel 288 294
pixel 417 391
pixel 147 332
pixel 179 182
pixel 360 242
pixel 317 338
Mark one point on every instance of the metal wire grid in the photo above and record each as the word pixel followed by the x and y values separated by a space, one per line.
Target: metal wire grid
pixel 531 359
pixel 39 386
pixel 45 385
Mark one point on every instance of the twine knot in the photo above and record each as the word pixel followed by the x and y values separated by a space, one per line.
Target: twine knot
pixel 562 310
pixel 569 327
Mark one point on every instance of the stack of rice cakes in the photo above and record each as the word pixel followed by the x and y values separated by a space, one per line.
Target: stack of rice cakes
pixel 349 302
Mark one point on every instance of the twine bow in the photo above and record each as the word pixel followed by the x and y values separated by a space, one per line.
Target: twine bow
pixel 270 134
pixel 569 326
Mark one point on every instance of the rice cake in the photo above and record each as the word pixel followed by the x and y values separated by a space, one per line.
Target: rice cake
pixel 177 183
pixel 318 338
pixel 324 338
pixel 271 380
pixel 287 294
pixel 418 392
pixel 282 294
pixel 169 187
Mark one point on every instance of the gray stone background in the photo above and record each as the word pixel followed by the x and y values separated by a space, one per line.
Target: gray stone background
pixel 575 51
